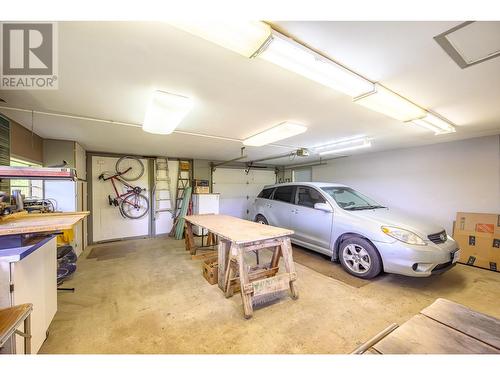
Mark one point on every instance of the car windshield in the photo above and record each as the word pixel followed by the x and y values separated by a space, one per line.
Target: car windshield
pixel 350 199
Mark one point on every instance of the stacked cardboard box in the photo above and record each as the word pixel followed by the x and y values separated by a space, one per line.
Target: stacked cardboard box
pixel 201 186
pixel 479 238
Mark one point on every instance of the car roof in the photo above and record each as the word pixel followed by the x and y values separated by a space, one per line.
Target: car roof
pixel 313 184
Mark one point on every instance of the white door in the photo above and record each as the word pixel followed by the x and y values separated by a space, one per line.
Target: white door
pixel 237 189
pixel 107 222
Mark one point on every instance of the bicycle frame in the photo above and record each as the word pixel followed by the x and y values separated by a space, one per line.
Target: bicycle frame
pixel 132 190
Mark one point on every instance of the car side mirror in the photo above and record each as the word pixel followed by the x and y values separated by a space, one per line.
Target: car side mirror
pixel 323 207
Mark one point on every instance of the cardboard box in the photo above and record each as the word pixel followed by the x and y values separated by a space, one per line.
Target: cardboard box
pixel 201 190
pixel 201 187
pixel 479 238
pixel 184 165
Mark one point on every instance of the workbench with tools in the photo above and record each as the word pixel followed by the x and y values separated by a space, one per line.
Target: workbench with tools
pixel 260 283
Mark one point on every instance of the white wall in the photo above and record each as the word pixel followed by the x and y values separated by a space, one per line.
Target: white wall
pixel 435 181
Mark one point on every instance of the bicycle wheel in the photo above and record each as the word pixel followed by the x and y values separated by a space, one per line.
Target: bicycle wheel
pixel 135 166
pixel 135 206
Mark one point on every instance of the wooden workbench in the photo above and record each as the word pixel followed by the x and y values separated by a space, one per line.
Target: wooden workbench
pixel 236 237
pixel 445 327
pixel 23 223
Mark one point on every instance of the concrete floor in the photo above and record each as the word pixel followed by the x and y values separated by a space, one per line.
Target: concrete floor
pixel 155 300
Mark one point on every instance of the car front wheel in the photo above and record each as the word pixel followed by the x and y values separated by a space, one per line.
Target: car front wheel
pixel 261 220
pixel 360 258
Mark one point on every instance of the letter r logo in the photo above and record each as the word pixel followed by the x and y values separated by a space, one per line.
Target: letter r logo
pixel 27 49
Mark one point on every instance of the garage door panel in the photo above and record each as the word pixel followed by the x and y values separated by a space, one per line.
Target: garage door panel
pixel 238 189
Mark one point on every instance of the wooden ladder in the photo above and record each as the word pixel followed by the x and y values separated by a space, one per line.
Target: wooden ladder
pixel 184 177
pixel 162 188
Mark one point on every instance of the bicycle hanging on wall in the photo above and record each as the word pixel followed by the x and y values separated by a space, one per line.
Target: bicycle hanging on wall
pixel 131 204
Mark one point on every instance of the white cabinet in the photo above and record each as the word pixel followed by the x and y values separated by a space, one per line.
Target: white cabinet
pixel 32 279
pixel 204 204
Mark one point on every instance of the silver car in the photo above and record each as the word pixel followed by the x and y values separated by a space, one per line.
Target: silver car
pixel 366 237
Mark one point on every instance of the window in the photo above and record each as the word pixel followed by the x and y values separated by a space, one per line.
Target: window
pixel 284 194
pixel 29 188
pixel 350 199
pixel 266 193
pixel 308 197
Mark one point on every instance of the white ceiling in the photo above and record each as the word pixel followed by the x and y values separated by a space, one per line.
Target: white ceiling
pixel 108 70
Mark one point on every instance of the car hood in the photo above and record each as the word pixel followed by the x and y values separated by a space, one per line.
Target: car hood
pixel 391 217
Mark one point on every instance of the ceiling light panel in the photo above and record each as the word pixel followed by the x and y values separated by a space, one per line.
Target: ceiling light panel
pixel 435 124
pixel 165 111
pixel 390 104
pixel 296 58
pixel 282 131
pixel 342 146
pixel 243 37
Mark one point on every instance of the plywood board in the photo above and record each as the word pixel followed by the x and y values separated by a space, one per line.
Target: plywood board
pixel 35 223
pixel 237 230
pixel 480 326
pixel 422 335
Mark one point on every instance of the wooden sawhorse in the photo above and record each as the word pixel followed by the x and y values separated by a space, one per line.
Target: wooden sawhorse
pixel 193 249
pixel 262 283
pixel 237 237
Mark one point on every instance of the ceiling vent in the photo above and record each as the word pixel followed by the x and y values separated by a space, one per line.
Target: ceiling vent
pixel 471 42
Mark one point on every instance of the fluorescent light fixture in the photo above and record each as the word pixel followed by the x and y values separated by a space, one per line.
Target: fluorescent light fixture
pixel 435 124
pixel 243 37
pixel 284 130
pixel 165 111
pixel 342 146
pixel 301 60
pixel 390 104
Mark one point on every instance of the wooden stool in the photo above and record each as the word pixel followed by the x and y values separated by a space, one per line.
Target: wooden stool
pixel 10 319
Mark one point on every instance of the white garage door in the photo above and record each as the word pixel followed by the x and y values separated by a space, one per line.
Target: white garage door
pixel 107 222
pixel 237 189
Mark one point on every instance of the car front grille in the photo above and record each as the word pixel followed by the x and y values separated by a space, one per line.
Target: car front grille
pixel 438 238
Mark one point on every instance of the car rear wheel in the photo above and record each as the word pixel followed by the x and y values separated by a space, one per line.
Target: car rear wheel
pixel 261 220
pixel 360 258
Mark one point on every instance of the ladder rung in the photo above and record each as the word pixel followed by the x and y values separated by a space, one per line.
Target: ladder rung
pixel 163 179
pixel 164 210
pixel 163 199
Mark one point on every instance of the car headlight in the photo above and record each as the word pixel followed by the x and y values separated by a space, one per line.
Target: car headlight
pixel 403 235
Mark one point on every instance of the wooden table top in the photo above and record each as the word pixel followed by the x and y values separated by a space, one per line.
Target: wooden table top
pixel 35 223
pixel 445 327
pixel 237 230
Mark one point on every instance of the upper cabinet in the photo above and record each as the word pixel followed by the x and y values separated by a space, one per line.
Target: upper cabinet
pixel 55 151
